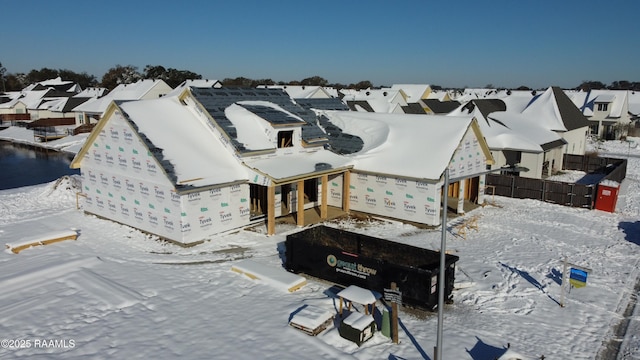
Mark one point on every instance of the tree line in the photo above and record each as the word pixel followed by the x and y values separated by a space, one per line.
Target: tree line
pixel 129 74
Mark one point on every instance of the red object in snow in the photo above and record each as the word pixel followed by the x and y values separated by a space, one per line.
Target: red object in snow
pixel 607 196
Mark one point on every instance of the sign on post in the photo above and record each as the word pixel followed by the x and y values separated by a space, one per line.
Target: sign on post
pixel 393 295
pixel 578 277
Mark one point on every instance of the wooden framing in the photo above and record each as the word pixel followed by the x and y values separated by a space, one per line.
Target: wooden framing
pixel 300 215
pixel 346 191
pixel 323 197
pixel 271 210
pixel 42 240
pixel 268 208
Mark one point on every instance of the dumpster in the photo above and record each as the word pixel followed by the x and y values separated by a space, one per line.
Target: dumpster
pixel 349 258
pixel 607 195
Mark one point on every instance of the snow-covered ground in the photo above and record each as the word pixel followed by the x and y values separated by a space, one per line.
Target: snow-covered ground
pixel 118 293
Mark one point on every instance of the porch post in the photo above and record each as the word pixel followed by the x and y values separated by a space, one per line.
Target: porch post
pixel 300 203
pixel 346 190
pixel 481 188
pixel 271 210
pixel 461 193
pixel 323 199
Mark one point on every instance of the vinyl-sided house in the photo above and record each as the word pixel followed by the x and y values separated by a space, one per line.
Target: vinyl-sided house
pixel 607 111
pixel 400 160
pixel 555 111
pixel 91 111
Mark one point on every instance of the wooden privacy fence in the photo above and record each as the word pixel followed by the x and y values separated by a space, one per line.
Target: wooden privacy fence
pixel 557 192
pixel 568 194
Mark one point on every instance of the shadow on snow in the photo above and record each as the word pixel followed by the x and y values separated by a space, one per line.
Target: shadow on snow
pixel 631 231
pixel 484 351
pixel 525 275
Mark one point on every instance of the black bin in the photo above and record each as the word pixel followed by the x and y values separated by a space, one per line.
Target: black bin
pixel 348 258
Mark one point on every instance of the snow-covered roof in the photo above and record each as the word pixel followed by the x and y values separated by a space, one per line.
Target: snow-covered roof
pixel 51 83
pixel 301 91
pixel 414 92
pixel 135 91
pixel 497 135
pixel 585 101
pixel 196 83
pixel 376 100
pixel 31 99
pixel 196 155
pixel 252 130
pixel 440 95
pixel 53 104
pixel 303 163
pixel 216 101
pixel 514 100
pixel 63 104
pixel 188 144
pixel 526 126
pixel 545 112
pixel 393 141
pixel 387 95
pixel 92 92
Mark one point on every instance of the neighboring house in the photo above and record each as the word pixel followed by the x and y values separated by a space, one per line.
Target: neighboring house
pixel 607 110
pixel 400 160
pixel 413 93
pixel 61 107
pixel 14 103
pixel 376 100
pixel 91 93
pixel 540 163
pixel 210 160
pixel 556 112
pixel 442 95
pixel 435 106
pixel 56 84
pixel 35 100
pixel 514 139
pixel 422 100
pixel 302 91
pixel 24 106
pixel 195 83
pixel 91 111
pixel 514 100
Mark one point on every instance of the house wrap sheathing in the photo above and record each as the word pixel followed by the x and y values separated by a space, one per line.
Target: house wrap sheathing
pixel 191 166
pixel 399 170
pixel 156 166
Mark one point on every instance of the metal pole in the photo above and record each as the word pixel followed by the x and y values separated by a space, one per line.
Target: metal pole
pixel 443 247
pixel 564 281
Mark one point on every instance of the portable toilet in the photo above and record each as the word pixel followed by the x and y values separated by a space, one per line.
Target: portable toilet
pixel 607 195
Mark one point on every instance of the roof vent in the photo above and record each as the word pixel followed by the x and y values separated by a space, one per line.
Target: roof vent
pixel 322 166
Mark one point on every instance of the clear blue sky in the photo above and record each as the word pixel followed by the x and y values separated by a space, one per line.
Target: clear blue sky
pixel 506 43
